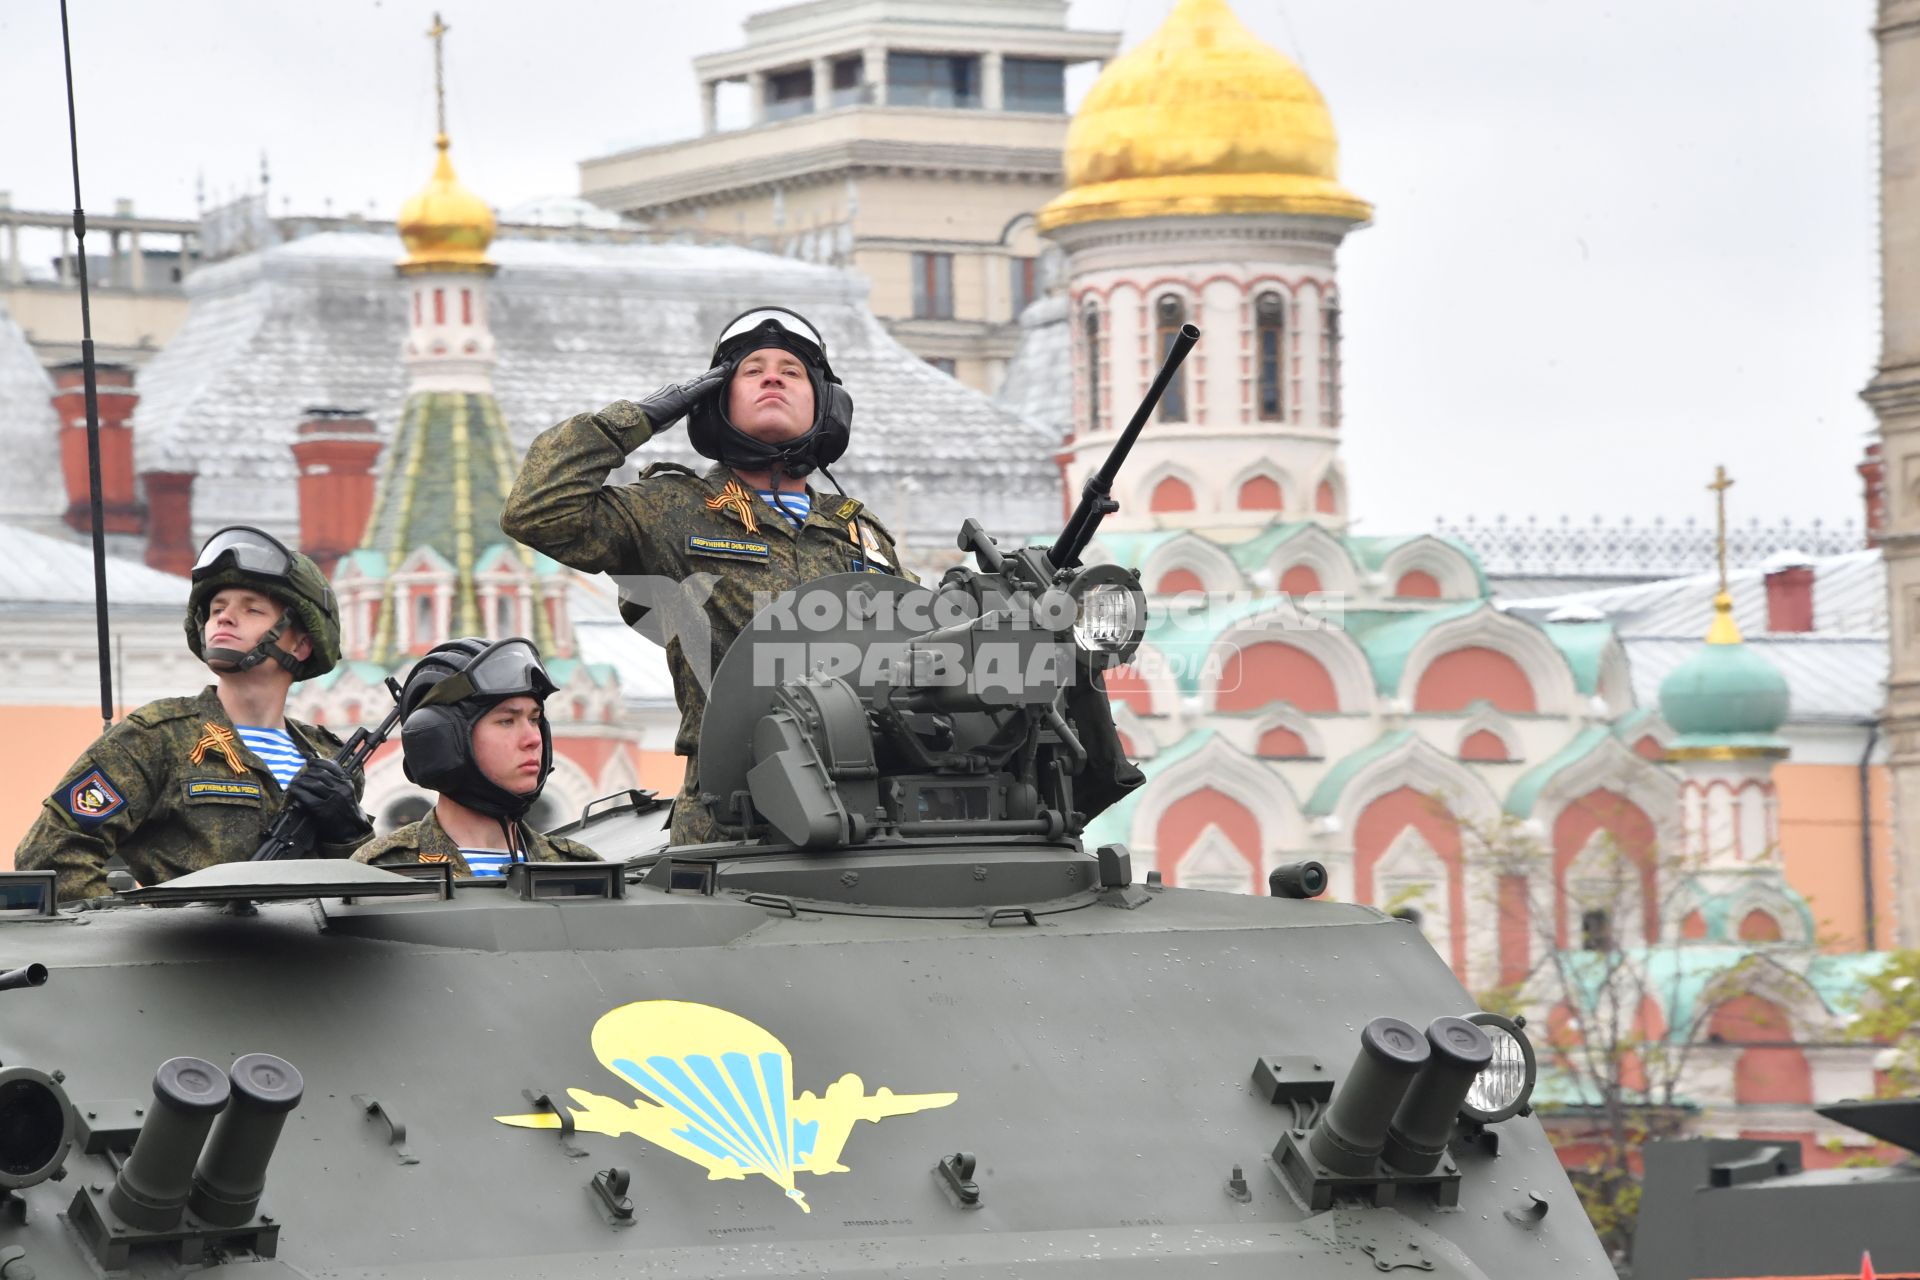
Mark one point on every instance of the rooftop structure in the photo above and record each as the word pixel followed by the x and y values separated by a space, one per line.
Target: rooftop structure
pixel 910 139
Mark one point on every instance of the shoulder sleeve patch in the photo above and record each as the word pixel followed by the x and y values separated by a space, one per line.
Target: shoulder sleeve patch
pixel 91 799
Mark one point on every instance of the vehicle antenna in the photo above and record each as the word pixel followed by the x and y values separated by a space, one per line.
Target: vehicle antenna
pixel 93 396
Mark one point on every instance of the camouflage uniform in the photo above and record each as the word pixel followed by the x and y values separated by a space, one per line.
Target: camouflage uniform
pixel 170 789
pixel 428 841
pixel 674 523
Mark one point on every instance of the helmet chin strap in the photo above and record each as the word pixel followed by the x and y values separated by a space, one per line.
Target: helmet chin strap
pixel 231 661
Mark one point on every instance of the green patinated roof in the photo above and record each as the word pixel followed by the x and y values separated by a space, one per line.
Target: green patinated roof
pixel 1372 551
pixel 1526 792
pixel 442 485
pixel 1725 695
pixel 1326 796
pixel 1115 824
pixel 1630 725
pixel 1388 637
pixel 370 563
pixel 1582 644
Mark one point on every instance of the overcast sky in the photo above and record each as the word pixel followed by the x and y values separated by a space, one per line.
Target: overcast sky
pixel 1615 243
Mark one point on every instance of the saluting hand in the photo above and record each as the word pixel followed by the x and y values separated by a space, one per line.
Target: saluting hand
pixel 670 403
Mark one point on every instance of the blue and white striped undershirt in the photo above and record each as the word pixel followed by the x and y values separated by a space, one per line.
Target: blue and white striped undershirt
pixel 486 863
pixel 276 748
pixel 794 506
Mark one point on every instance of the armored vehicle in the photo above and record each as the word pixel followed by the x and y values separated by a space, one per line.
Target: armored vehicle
pixel 900 1023
pixel 1747 1207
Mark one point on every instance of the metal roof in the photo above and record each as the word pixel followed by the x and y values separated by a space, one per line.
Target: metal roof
pixel 320 321
pixel 32 492
pixel 38 569
pixel 1849 599
pixel 1829 678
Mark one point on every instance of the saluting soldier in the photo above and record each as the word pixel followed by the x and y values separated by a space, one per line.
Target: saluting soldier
pixel 769 412
pixel 474 729
pixel 187 783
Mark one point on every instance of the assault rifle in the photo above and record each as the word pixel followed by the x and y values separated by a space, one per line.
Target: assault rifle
pixel 291 835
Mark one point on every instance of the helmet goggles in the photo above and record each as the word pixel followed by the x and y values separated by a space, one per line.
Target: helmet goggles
pixel 775 326
pixel 504 669
pixel 246 549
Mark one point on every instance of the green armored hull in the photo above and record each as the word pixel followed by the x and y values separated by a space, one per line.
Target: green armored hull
pixel 1053 1078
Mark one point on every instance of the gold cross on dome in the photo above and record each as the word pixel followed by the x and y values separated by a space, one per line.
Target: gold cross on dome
pixel 1721 483
pixel 438 34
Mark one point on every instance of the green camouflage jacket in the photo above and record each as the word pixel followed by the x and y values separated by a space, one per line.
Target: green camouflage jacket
pixel 428 841
pixel 170 789
pixel 676 524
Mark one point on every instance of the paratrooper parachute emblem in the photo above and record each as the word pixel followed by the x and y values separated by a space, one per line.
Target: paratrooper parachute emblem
pixel 718 1090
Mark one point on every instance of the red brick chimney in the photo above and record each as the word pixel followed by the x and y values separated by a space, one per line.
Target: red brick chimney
pixel 170 545
pixel 1789 592
pixel 335 452
pixel 113 384
pixel 1873 474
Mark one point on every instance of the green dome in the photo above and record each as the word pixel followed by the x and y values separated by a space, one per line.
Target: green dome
pixel 1725 691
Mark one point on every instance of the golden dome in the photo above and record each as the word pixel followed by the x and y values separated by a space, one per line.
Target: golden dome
pixel 1202 117
pixel 446 227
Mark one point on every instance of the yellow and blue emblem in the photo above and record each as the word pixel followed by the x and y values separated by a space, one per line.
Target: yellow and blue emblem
pixel 719 1092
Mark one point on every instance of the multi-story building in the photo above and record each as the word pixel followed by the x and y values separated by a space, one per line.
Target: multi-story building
pixel 909 139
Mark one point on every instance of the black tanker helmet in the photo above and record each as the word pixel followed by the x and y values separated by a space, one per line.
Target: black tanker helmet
pixel 240 556
pixel 446 694
pixel 711 429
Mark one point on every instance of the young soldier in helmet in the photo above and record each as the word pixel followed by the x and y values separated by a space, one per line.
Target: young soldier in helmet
pixel 769 412
pixel 474 731
pixel 186 783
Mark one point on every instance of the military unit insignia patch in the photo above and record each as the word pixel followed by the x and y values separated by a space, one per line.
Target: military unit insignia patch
pixel 219 789
pixel 728 547
pixel 846 509
pixel 93 799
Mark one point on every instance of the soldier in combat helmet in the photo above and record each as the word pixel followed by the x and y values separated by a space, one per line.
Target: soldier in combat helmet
pixel 769 412
pixel 187 783
pixel 474 730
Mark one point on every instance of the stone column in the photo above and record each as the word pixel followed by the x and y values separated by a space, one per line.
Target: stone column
pixel 137 264
pixel 709 106
pixel 993 80
pixel 873 69
pixel 757 96
pixel 13 254
pixel 1894 395
pixel 823 84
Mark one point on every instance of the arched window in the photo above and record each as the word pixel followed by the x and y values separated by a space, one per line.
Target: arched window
pixel 422 618
pixel 1269 334
pixel 1168 315
pixel 502 615
pixel 1090 325
pixel 1325 500
pixel 1261 493
pixel 1330 362
pixel 1171 494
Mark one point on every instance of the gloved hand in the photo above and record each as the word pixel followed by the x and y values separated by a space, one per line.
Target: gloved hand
pixel 670 403
pixel 325 792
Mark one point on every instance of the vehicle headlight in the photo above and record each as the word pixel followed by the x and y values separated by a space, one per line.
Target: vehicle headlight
pixel 1110 614
pixel 1505 1085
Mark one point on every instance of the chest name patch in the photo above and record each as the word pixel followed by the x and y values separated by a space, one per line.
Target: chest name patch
pixel 742 547
pixel 221 789
pixel 92 800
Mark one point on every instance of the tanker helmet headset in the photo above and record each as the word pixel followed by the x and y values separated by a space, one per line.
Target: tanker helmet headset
pixel 239 556
pixel 446 695
pixel 711 429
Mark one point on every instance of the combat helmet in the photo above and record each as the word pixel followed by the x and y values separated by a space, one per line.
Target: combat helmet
pixel 711 429
pixel 240 556
pixel 446 694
